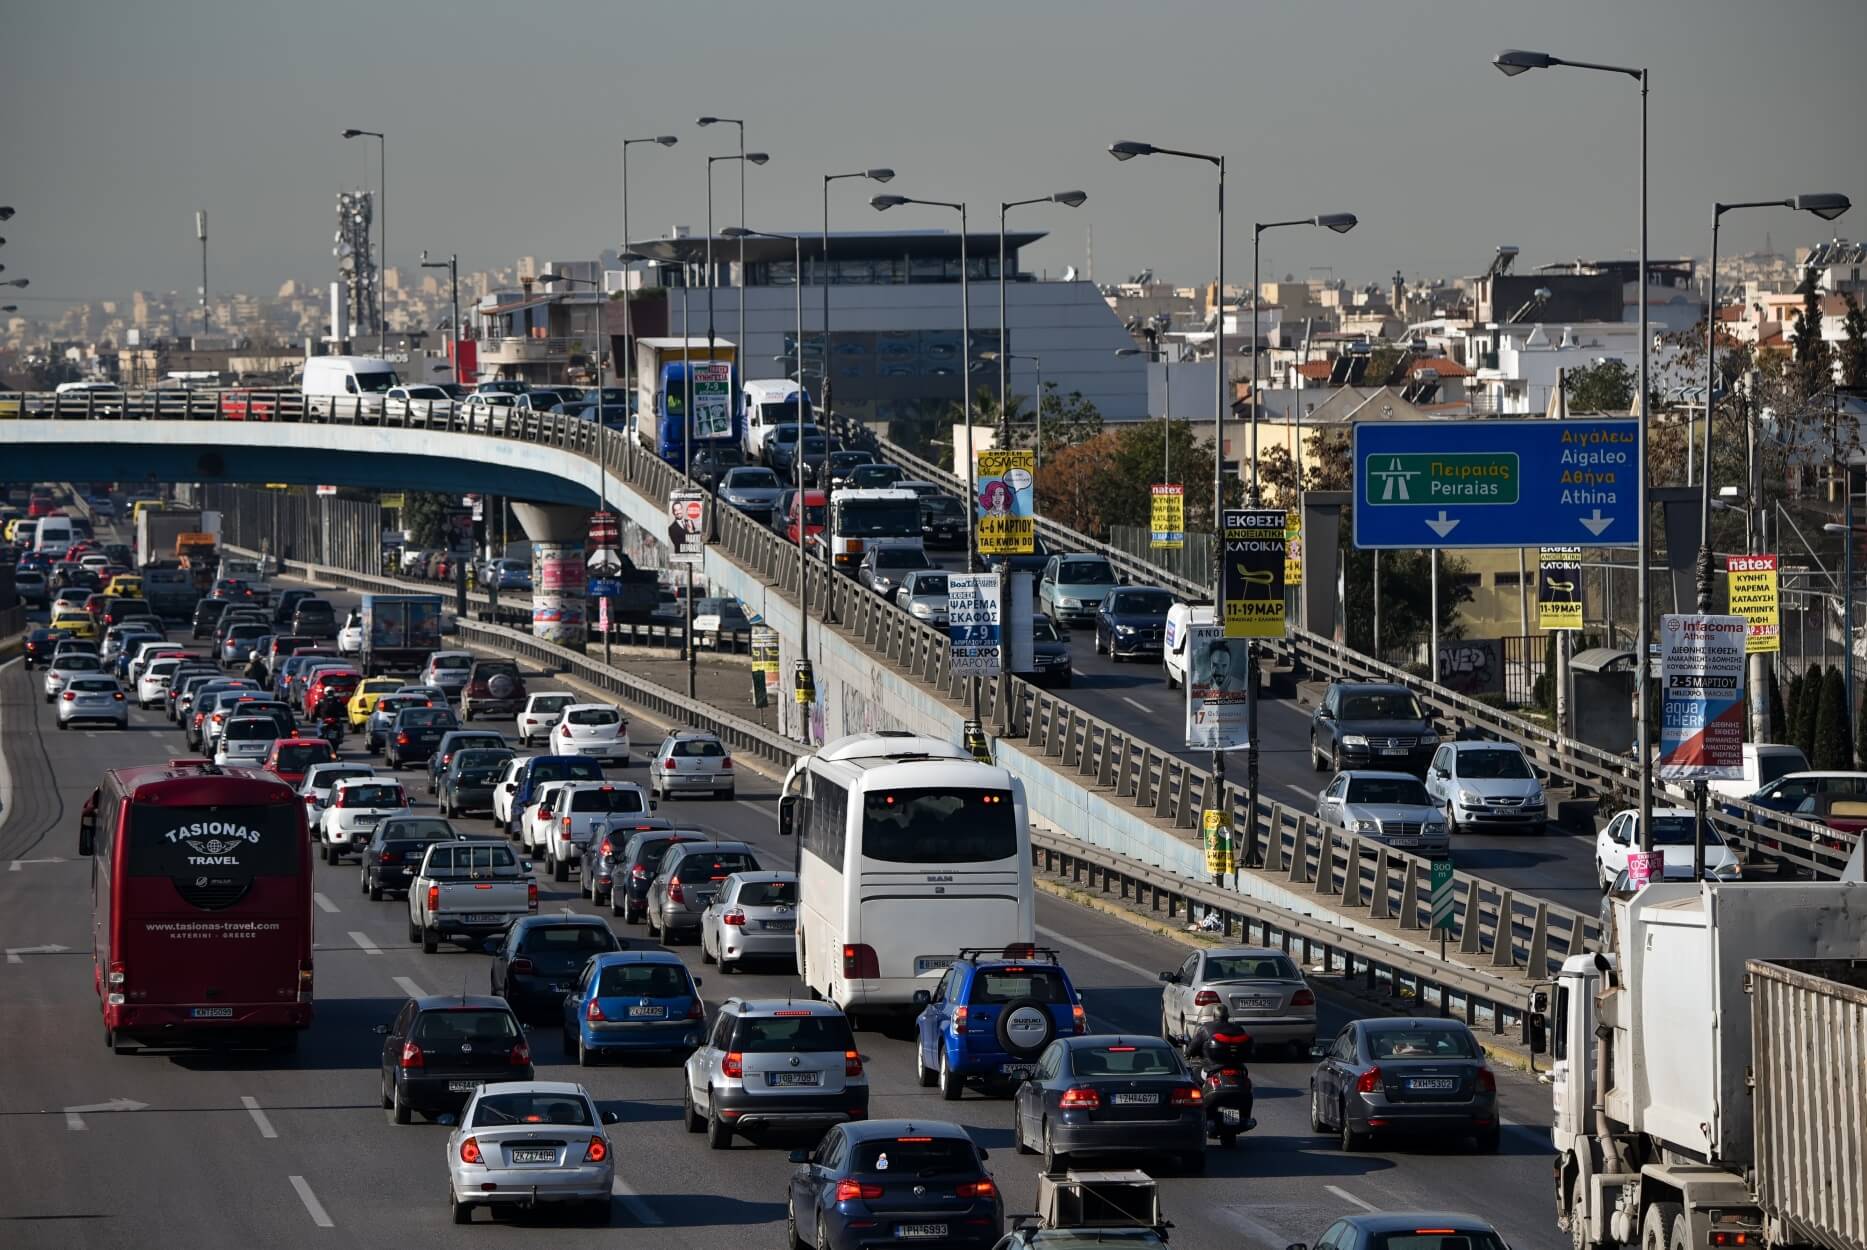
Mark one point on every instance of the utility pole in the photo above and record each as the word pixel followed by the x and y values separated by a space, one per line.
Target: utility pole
pixel 200 232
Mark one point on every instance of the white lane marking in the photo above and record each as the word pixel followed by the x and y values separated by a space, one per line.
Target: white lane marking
pixel 50 859
pixel 363 940
pixel 1308 794
pixel 13 953
pixel 1104 956
pixel 259 1117
pixel 1347 1197
pixel 1136 704
pixel 634 1202
pixel 74 1116
pixel 410 988
pixel 6 777
pixel 313 1207
pixel 324 904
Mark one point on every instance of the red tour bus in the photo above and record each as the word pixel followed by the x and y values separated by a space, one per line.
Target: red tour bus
pixel 200 905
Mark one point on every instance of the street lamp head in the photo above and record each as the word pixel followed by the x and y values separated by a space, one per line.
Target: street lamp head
pixel 880 175
pixel 353 133
pixel 9 308
pixel 667 141
pixel 21 283
pixel 1341 223
pixel 758 158
pixel 1130 351
pixel 1128 149
pixel 1074 199
pixel 1825 205
pixel 1833 527
pixel 6 212
pixel 552 277
pixel 706 121
pixel 736 232
pixel 1514 61
pixel 882 203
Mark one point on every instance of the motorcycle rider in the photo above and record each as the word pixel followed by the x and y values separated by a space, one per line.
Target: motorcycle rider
pixel 1217 1040
pixel 255 669
pixel 1217 1049
pixel 330 716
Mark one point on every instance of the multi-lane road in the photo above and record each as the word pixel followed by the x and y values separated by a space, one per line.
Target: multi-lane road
pixel 214 1149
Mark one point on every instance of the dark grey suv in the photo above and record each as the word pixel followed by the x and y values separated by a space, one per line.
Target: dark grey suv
pixel 1371 725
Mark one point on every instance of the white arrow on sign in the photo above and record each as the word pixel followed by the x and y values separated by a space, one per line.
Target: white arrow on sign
pixel 13 953
pixel 1597 522
pixel 74 1116
pixel 1442 524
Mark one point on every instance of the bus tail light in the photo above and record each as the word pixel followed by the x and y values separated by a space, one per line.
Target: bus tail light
pixel 860 963
pixel 412 1056
pixel 118 981
pixel 304 980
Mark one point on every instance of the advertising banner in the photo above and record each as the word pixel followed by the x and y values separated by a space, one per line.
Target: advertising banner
pixel 973 623
pixel 1293 548
pixel 1221 858
pixel 1167 516
pixel 765 657
pixel 1753 591
pixel 1007 502
pixel 687 526
pixel 1701 697
pixel 559 607
pixel 1559 588
pixel 1218 670
pixel 1252 572
pixel 713 400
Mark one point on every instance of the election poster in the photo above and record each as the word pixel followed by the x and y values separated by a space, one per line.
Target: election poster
pixel 1167 516
pixel 1252 572
pixel 1753 596
pixel 1701 697
pixel 973 623
pixel 687 526
pixel 1218 670
pixel 1007 502
pixel 1293 548
pixel 713 400
pixel 1559 588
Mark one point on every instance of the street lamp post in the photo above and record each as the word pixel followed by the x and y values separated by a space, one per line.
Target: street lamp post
pixel 382 233
pixel 1127 150
pixel 1848 641
pixel 743 158
pixel 1512 62
pixel 452 265
pixel 797 461
pixel 1037 367
pixel 1073 199
pixel 732 399
pixel 823 259
pixel 628 328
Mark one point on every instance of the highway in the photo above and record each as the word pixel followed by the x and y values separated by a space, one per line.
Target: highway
pixel 235 1150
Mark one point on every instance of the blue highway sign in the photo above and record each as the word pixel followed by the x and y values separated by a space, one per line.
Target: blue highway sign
pixel 1534 483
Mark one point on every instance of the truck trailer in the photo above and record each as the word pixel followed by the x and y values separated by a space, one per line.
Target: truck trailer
pixel 399 631
pixel 1708 1073
pixel 684 383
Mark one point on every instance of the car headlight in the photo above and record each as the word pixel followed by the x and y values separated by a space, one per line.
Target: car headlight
pixel 1367 826
pixel 1435 826
pixel 920 609
pixel 1124 630
pixel 1354 740
pixel 1469 799
pixel 1429 738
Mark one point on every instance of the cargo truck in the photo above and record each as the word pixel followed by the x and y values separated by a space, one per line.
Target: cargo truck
pixel 671 374
pixel 197 552
pixel 399 631
pixel 158 528
pixel 1707 1072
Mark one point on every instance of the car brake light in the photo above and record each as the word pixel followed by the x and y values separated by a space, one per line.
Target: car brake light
pixel 412 1056
pixel 678 895
pixel 1080 1098
pixel 1188 1096
pixel 959 1016
pixel 1302 998
pixel 850 1191
pixel 470 1150
pixel 1368 1082
pixel 639 873
pixel 520 965
pixel 668 765
pixel 1079 1018
pixel 727 762
pixel 401 740
pixel 71 696
pixel 387 857
pixel 733 916
pixel 1486 1081
pixel 597 1151
pixel 733 1065
pixel 531 894
pixel 860 963
pixel 852 1063
pixel 976 1189
pixel 1205 998
pixel 434 898
pixel 594 1012
pixel 520 1055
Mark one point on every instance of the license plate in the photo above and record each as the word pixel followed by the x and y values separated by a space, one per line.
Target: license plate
pixel 927 963
pixel 778 926
pixel 1394 751
pixel 547 1155
pixel 792 1078
pixel 1432 1083
pixel 1403 843
pixel 1228 1115
pixel 921 1230
pixel 1018 1069
pixel 1254 1004
pixel 481 918
pixel 1136 1100
pixel 647 1013
pixel 211 1013
pixel 463 1087
pixel 368 822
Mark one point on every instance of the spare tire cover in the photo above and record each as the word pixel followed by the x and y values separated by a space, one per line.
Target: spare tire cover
pixel 502 686
pixel 1025 1027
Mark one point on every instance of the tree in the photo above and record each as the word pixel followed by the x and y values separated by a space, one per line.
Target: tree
pixel 424 515
pixel 1604 387
pixel 1854 349
pixel 1792 707
pixel 1778 715
pixel 1833 748
pixel 1811 354
pixel 1807 710
pixel 1076 485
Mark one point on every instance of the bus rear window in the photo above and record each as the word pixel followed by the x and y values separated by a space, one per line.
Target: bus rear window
pixel 938 826
pixel 215 841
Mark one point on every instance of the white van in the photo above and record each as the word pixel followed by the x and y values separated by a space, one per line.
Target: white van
pixel 1173 643
pixel 367 379
pixel 769 403
pixel 54 536
pixel 1764 762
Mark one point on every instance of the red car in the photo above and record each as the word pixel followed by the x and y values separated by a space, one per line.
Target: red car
pixel 291 758
pixel 814 501
pixel 341 682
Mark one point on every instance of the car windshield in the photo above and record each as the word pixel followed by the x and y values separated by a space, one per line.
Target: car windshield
pixel 717 865
pixel 1677 831
pixel 869 475
pixel 1141 1059
pixel 1490 765
pixel 621 799
pixel 1045 631
pixel 248 728
pixel 1250 968
pixel 416 829
pixel 792 1031
pixel 1085 573
pixel 373 796
pixel 499 1110
pixel 1421 1043
pixel 425 717
pixel 391 703
pixel 565 939
pixel 78 662
pixel 861 517
pixel 941 506
pixel 915 1156
pixel 930 584
pixel 94 685
pixel 327 778
pixel 439 662
pixel 643 980
pixel 1382 705
pixel 938 826
pixel 572 769
pixel 1142 602
pixel 1004 985
pixel 593 716
pixel 752 477
pixel 375 383
pixel 460 1026
pixel 1402 791
pixel 1450 1237
pixel 900 558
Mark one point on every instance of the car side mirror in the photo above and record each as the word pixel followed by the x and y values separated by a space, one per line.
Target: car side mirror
pixel 1171 978
pixel 1297 1245
pixel 984 1153
pixel 922 998
pixel 800 1156
pixel 698 982
pixel 525 865
pixel 654 805
pixel 1323 713
pixel 1319 1051
pixel 612 1117
pixel 381 1030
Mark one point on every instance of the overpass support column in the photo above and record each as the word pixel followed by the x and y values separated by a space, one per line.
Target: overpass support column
pixel 559 607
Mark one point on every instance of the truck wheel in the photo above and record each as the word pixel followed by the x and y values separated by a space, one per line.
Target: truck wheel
pixel 1663 1227
pixel 430 941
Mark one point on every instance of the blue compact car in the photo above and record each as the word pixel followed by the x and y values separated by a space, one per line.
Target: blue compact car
pixel 633 1001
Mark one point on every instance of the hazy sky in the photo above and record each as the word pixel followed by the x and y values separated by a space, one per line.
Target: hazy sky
pixel 120 119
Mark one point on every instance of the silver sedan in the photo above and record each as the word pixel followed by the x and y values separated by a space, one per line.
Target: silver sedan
pixel 529 1143
pixel 1388 807
pixel 755 915
pixel 1261 988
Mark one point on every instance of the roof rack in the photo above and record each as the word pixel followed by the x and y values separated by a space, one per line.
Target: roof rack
pixel 1017 950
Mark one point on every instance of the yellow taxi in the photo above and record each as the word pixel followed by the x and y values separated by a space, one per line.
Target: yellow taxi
pixel 76 622
pixel 363 702
pixel 128 585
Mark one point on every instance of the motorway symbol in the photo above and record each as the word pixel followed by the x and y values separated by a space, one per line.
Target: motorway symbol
pixel 74 1116
pixel 13 953
pixel 50 859
pixel 1521 483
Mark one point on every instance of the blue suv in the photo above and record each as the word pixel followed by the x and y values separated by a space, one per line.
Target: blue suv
pixel 990 1016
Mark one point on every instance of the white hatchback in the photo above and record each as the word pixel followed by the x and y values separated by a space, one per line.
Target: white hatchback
pixel 599 730
pixel 541 715
pixel 1672 839
pixel 357 805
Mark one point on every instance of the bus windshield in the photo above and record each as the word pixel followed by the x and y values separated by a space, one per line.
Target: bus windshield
pixel 879 517
pixel 214 841
pixel 938 826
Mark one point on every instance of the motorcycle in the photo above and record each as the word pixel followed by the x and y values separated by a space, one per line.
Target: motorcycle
pixel 1225 1086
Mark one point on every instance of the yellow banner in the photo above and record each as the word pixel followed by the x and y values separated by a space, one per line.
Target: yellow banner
pixel 1293 548
pixel 1167 516
pixel 1559 588
pixel 392 499
pixel 1220 857
pixel 1753 596
pixel 1252 575
pixel 1007 485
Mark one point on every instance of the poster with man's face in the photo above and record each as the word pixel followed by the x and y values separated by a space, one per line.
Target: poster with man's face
pixel 1216 678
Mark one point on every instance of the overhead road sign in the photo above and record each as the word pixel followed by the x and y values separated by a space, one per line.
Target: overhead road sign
pixel 1535 483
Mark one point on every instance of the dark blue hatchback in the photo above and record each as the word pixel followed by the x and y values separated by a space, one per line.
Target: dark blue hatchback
pixel 893 1183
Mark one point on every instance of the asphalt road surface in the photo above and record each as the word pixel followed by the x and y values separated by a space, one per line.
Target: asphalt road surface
pixel 210 1149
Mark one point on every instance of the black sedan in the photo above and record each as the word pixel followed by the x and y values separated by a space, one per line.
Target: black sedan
pixel 416 733
pixel 40 643
pixel 943 522
pixel 832 472
pixel 1106 1094
pixel 1050 654
pixel 1368 724
pixel 538 959
pixel 709 464
pixel 1404 1075
pixel 395 848
pixel 467 783
pixel 1132 622
pixel 458 740
pixel 893 1183
pixel 442 1048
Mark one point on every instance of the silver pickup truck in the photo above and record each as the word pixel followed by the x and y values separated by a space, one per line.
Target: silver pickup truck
pixel 466 890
